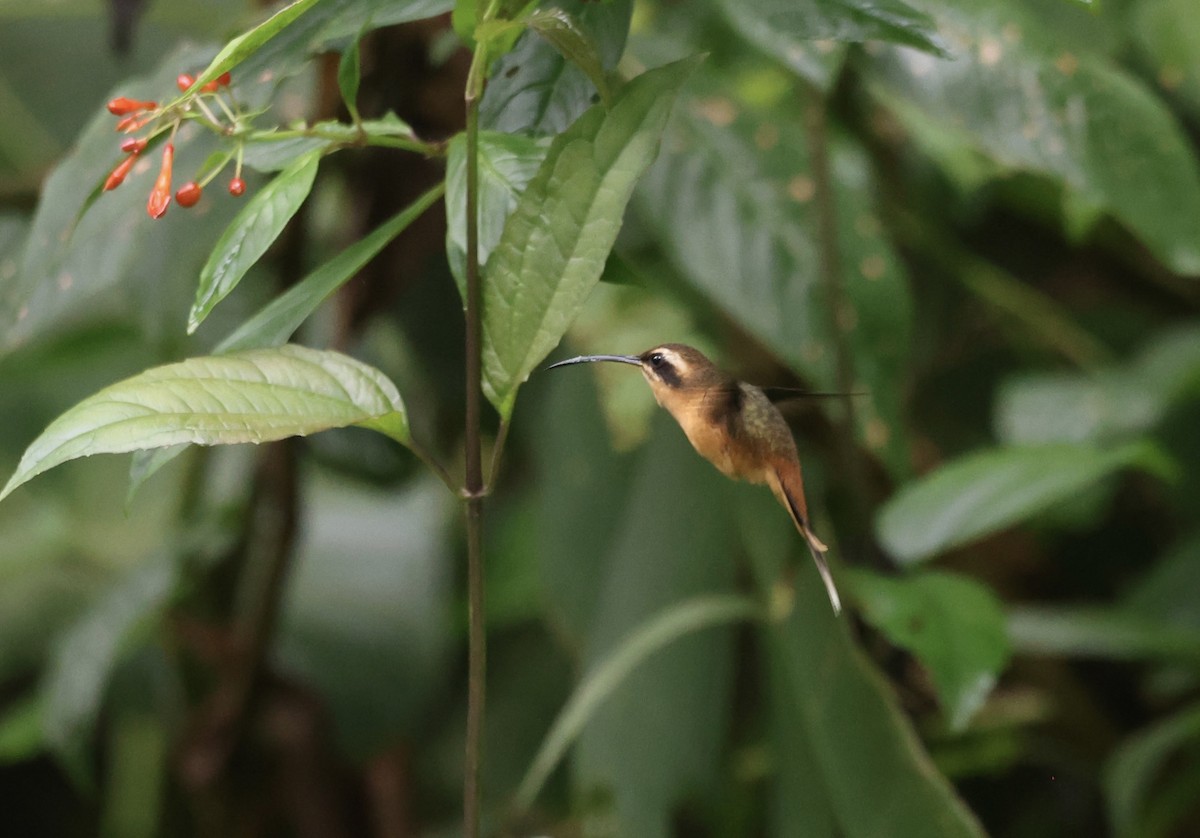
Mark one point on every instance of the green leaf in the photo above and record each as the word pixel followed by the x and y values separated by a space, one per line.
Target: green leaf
pixel 1015 95
pixel 607 675
pixel 982 493
pixel 853 21
pixel 1106 633
pixel 276 323
pixel 817 63
pixel 254 396
pixel 73 690
pixel 1139 761
pixel 349 74
pixel 251 42
pixel 507 162
pixel 535 90
pixel 252 231
pixel 561 30
pixel 952 624
pixel 861 746
pixel 21 730
pixel 731 201
pixel 554 247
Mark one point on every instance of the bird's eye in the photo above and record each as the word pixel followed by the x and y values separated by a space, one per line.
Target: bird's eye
pixel 656 360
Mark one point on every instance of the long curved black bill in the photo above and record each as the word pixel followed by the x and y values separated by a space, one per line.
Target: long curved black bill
pixel 587 359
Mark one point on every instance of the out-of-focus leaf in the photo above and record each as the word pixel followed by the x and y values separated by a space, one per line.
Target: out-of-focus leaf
pixel 1015 95
pixel 349 76
pixel 536 90
pixel 254 396
pixel 732 202
pixel 854 21
pixel 507 162
pixel 1135 766
pixel 138 765
pixel 1168 34
pixel 364 615
pixel 1167 591
pixel 1109 403
pixel 860 743
pixel 73 690
pixel 806 55
pixel 1089 632
pixel 555 243
pixel 982 493
pixel 21 730
pixel 607 675
pixel 251 232
pixel 561 30
pixel 659 735
pixel 952 624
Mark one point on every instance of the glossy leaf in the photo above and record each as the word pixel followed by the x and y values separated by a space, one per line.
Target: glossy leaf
pixel 535 90
pixel 953 625
pixel 731 202
pixel 507 162
pixel 861 745
pixel 255 396
pixel 1016 96
pixel 251 42
pixel 555 243
pixel 73 691
pixel 252 231
pixel 982 493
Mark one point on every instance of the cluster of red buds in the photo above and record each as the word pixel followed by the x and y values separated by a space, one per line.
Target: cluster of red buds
pixel 136 115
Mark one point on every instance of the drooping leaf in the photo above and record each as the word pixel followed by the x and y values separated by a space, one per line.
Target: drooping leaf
pixel 1016 96
pixel 535 90
pixel 555 243
pixel 953 625
pixel 979 494
pixel 254 396
pixel 507 162
pixel 860 746
pixel 731 200
pixel 73 690
pixel 251 232
pixel 349 76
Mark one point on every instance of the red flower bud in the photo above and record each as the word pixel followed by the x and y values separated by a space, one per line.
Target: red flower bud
pixel 185 81
pixel 160 195
pixel 133 145
pixel 133 122
pixel 122 106
pixel 224 79
pixel 117 177
pixel 237 187
pixel 188 194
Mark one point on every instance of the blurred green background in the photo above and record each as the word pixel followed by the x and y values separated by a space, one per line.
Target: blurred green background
pixel 980 217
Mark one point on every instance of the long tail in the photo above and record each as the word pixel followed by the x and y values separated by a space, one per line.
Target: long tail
pixel 792 497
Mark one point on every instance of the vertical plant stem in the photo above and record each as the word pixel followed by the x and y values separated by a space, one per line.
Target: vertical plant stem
pixel 830 260
pixel 476 633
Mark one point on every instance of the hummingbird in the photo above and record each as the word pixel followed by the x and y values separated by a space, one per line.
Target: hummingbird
pixel 731 424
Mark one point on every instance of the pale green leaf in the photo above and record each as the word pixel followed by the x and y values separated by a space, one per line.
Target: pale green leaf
pixel 254 396
pixel 554 247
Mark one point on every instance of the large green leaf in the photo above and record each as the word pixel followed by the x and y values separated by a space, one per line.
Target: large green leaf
pixel 536 90
pixel 860 745
pixel 555 244
pixel 1014 94
pixel 732 201
pixel 251 232
pixel 982 493
pixel 254 396
pixel 952 624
